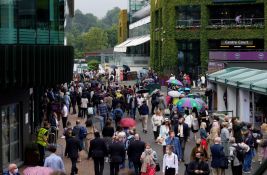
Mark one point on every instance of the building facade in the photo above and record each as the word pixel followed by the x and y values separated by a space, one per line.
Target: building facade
pixel 183 32
pixel 135 51
pixel 32 58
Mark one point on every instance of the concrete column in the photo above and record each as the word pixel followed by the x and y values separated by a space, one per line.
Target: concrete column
pixel 220 102
pixel 244 108
pixel 231 101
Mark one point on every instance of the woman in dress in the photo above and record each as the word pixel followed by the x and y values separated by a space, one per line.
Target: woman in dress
pixel 203 135
pixel 90 133
pixel 156 121
pixel 225 136
pixel 148 159
pixel 164 133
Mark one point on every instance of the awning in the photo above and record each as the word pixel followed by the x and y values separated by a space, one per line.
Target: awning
pixel 122 47
pixel 251 79
pixel 138 41
pixel 131 42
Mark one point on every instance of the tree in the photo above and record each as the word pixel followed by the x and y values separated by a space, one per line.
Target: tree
pixel 95 39
pixel 93 64
pixel 112 35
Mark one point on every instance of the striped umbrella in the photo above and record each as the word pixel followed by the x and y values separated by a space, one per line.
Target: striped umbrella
pixel 175 82
pixel 188 103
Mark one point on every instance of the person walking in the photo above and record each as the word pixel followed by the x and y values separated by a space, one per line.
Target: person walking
pixel 65 114
pixel 218 157
pixel 199 149
pixel 135 150
pixel 249 154
pixel 148 159
pixel 181 131
pixel 198 166
pixel 236 163
pixel 54 161
pixel 117 115
pixel 225 136
pixel 117 155
pixel 90 133
pixel 170 162
pixel 103 113
pixel 84 105
pixel 164 133
pixel 175 143
pixel 156 120
pixel 42 141
pixel 98 151
pixel 144 111
pixel 73 147
pixel 203 135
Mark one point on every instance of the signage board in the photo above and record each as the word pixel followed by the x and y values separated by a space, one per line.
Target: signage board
pixel 236 42
pixel 238 56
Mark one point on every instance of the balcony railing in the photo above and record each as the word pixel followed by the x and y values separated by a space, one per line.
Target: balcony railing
pixel 190 23
pixel 233 23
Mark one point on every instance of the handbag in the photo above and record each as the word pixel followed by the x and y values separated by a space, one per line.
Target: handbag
pixel 160 140
pixel 157 167
pixel 90 111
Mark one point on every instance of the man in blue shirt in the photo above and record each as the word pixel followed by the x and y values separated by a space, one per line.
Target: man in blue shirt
pixel 54 161
pixel 174 141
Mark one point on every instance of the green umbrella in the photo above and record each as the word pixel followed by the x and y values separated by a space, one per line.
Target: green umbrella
pixel 188 103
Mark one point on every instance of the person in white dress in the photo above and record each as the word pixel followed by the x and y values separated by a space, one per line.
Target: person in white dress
pixel 164 133
pixel 156 120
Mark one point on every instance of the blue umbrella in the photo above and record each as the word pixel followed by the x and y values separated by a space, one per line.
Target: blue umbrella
pixel 187 89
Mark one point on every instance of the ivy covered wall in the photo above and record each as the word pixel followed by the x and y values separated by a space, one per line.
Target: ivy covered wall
pixel 164 38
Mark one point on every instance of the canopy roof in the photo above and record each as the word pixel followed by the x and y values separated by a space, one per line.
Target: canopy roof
pixel 251 79
pixel 131 42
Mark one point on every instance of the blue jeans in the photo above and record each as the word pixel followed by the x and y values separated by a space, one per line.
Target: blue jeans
pixel 247 161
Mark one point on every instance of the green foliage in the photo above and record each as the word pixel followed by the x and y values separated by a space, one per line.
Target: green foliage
pixel 93 64
pixel 165 59
pixel 85 32
pixel 95 39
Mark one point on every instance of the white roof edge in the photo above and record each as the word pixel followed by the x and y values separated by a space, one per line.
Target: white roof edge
pixel 141 22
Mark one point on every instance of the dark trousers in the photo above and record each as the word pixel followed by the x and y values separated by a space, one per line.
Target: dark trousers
pixel 74 169
pixel 182 143
pixel 84 112
pixel 156 133
pixel 153 108
pixel 137 167
pixel 114 168
pixel 170 171
pixel 99 166
pixel 237 170
pixel 74 107
pixel 64 121
pixel 42 154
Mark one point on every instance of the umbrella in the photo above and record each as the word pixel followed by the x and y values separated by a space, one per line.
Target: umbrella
pixel 127 122
pixel 155 91
pixel 193 96
pixel 126 67
pixel 175 82
pixel 149 80
pixel 202 103
pixel 114 67
pixel 188 103
pixel 187 89
pixel 141 91
pixel 143 71
pixel 174 93
pixel 38 170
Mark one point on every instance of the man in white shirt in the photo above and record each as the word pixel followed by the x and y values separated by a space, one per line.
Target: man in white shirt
pixel 203 81
pixel 64 113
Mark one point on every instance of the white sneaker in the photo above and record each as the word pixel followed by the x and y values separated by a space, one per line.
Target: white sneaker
pixel 62 137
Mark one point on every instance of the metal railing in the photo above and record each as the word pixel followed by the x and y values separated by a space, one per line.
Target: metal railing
pixel 236 23
pixel 190 23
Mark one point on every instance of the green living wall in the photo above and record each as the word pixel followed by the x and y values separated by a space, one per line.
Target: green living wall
pixel 164 58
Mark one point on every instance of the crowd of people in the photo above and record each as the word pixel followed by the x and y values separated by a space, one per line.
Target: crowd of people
pixel 227 143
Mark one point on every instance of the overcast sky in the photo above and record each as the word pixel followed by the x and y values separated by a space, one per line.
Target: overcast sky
pixel 99 7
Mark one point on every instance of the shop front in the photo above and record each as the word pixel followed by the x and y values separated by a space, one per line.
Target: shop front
pixel 242 92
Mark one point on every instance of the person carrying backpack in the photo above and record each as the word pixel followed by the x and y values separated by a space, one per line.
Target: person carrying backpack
pixel 236 156
pixel 80 133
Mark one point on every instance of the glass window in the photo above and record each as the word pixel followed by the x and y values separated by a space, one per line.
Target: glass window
pixel 8 22
pixel 188 16
pixel 10 134
pixel 140 31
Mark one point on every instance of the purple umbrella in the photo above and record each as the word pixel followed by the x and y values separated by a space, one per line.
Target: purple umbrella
pixel 175 82
pixel 202 104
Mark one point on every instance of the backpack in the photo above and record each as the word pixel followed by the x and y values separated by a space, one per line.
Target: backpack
pixel 82 133
pixel 129 140
pixel 239 153
pixel 118 115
